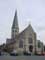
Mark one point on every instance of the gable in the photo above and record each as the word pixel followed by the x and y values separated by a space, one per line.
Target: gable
pixel 28 29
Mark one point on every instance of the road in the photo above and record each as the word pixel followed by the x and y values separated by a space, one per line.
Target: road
pixel 22 57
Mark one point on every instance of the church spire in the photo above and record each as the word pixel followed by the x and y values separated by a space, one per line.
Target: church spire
pixel 15 22
pixel 15 28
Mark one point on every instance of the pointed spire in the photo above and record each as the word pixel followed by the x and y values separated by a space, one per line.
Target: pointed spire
pixel 30 26
pixel 15 22
pixel 29 22
pixel 15 27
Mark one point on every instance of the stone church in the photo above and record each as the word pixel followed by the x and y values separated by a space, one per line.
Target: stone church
pixel 22 41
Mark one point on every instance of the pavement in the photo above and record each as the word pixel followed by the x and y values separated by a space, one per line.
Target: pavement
pixel 22 57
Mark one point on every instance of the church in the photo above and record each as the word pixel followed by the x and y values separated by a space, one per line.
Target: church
pixel 22 41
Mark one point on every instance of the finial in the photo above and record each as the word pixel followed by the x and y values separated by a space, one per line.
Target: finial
pixel 15 12
pixel 29 22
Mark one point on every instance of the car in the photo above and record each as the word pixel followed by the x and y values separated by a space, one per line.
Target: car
pixel 14 53
pixel 0 53
pixel 27 53
pixel 4 54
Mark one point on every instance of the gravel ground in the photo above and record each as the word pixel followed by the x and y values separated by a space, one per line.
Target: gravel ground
pixel 22 57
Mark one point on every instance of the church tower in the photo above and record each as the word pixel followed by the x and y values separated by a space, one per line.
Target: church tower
pixel 15 28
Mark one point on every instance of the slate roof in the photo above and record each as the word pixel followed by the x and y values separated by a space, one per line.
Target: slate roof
pixel 15 21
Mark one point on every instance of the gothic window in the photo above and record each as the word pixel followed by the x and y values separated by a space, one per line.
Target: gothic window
pixel 20 44
pixel 14 30
pixel 39 45
pixel 30 40
pixel 44 48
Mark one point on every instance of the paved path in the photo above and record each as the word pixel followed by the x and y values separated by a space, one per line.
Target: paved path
pixel 22 58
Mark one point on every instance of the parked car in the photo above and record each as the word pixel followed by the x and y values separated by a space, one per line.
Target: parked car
pixel 4 54
pixel 0 53
pixel 14 53
pixel 27 53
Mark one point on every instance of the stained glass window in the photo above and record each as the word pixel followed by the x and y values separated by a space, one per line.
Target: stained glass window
pixel 30 40
pixel 20 44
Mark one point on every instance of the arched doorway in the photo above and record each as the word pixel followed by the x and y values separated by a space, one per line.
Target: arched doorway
pixel 30 48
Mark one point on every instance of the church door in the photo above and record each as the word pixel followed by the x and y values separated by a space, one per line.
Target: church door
pixel 30 48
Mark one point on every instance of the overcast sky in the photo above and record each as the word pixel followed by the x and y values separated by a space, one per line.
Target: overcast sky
pixel 29 11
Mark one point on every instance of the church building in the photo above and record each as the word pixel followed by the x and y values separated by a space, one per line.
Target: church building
pixel 22 41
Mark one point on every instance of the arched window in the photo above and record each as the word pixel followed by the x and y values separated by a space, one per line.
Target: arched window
pixel 21 44
pixel 30 40
pixel 39 44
